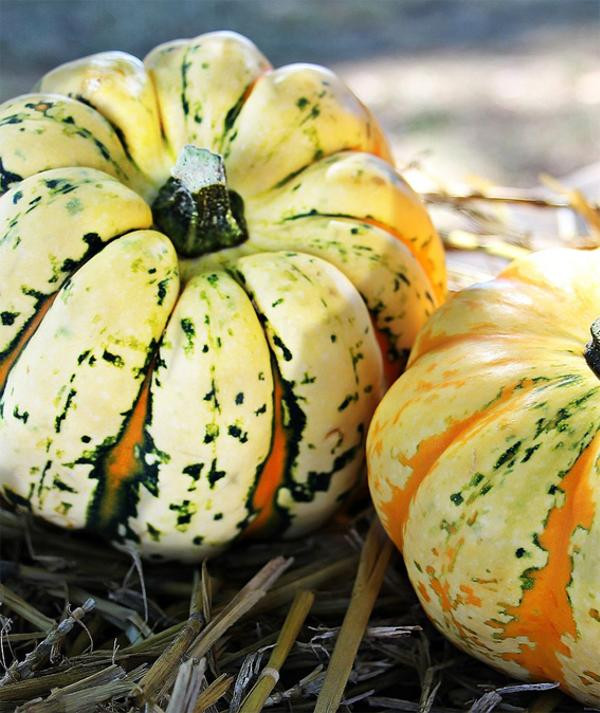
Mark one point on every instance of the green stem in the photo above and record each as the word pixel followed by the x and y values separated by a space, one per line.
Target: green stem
pixel 195 208
pixel 592 348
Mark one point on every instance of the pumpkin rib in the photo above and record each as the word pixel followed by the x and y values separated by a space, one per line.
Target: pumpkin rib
pixel 81 136
pixel 59 219
pixel 79 351
pixel 322 438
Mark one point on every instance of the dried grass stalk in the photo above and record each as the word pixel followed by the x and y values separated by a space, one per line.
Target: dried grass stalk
pixel 373 562
pixel 269 676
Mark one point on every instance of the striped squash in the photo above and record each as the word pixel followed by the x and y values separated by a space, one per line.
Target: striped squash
pixel 185 360
pixel 484 465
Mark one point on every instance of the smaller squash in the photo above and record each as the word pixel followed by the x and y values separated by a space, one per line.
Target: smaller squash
pixel 484 465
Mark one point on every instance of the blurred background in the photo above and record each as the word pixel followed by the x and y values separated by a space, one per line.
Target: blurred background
pixel 500 89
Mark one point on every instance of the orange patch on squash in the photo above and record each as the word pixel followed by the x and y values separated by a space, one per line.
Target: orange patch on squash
pixel 122 463
pixel 273 471
pixel 544 615
pixel 7 363
pixel 471 597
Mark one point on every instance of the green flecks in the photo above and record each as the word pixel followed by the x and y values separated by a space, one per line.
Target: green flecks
pixel 290 176
pixel 114 359
pixel 529 452
pixel 486 489
pixel 508 458
pixel 286 353
pixel 185 66
pixel 457 498
pixel 233 114
pixel 239 398
pixel 261 375
pixel 333 338
pixel 193 470
pixel 61 416
pixel 400 277
pixel 59 186
pixel 33 203
pixel 63 508
pixel 8 318
pixel 188 328
pixel 20 415
pixel 162 290
pixel 307 379
pixel 85 439
pixel 7 178
pixel 94 243
pixel 520 552
pixel 153 532
pixel 198 540
pixel 212 278
pixel 527 581
pixel 318 155
pixel 476 479
pixel 218 516
pixel 74 206
pixel 185 511
pixel 17 197
pixel 212 396
pixel 211 432
pixel 302 102
pixel 61 485
pixel 320 482
pixel 15 499
pixel 214 474
pixel 83 356
pixel 347 401
pixel 260 410
pixel 236 432
pixel 277 302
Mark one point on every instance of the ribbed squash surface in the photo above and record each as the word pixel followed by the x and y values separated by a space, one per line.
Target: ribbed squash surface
pixel 484 465
pixel 180 403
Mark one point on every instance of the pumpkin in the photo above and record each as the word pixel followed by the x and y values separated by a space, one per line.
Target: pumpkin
pixel 484 466
pixel 207 269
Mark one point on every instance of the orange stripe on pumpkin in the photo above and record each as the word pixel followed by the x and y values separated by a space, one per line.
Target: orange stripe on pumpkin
pixel 545 616
pixel 273 471
pixel 7 363
pixel 121 462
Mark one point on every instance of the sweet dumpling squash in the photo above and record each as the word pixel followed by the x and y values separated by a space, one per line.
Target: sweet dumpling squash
pixel 208 270
pixel 484 465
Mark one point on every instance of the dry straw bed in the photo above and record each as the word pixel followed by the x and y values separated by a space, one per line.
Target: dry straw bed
pixel 325 623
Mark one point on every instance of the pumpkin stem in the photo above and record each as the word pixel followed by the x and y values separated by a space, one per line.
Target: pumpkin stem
pixel 195 208
pixel 592 348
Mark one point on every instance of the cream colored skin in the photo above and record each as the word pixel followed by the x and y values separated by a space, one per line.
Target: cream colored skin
pixel 484 465
pixel 139 387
